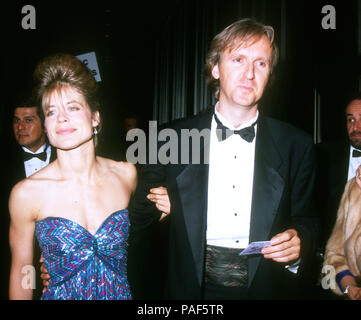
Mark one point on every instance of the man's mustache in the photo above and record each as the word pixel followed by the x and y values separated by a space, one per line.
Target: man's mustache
pixel 354 133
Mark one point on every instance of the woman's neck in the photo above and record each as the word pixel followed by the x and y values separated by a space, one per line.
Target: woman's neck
pixel 78 163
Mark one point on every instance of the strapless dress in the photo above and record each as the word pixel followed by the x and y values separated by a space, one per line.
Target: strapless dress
pixel 83 266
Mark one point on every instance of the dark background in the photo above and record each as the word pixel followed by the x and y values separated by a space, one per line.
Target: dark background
pixel 151 56
pixel 122 34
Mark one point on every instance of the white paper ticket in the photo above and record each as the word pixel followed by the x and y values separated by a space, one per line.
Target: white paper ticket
pixel 255 248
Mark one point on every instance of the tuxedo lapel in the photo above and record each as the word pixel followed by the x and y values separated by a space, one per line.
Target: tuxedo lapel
pixel 192 185
pixel 268 186
pixel 19 168
pixel 345 163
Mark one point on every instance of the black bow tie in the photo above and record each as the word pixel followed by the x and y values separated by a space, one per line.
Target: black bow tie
pixel 223 132
pixel 356 153
pixel 42 155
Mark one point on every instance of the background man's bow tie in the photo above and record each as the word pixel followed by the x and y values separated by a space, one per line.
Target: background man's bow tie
pixel 356 153
pixel 42 155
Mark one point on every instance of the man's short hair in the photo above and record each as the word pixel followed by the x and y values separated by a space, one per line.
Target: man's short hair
pixel 27 100
pixel 235 36
pixel 351 97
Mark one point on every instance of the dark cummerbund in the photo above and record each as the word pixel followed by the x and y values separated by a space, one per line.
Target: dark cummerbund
pixel 224 267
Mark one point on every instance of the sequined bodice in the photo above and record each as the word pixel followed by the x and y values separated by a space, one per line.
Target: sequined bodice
pixel 82 265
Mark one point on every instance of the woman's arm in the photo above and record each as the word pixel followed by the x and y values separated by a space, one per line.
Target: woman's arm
pixel 22 225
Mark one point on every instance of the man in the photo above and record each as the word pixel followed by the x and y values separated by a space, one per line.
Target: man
pixel 30 153
pixel 255 188
pixel 337 164
pixel 35 152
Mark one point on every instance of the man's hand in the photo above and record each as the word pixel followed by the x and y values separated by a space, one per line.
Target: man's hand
pixel 160 197
pixel 44 275
pixel 285 247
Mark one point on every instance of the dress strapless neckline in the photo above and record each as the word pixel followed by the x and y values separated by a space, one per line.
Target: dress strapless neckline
pixel 79 225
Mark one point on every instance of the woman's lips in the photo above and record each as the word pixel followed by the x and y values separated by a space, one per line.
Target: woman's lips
pixel 65 131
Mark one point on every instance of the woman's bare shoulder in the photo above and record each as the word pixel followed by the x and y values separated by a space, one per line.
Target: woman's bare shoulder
pixel 31 192
pixel 126 171
pixel 24 189
pixel 23 198
pixel 122 166
pixel 128 168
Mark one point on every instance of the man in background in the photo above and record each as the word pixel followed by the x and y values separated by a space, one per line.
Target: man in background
pixel 337 164
pixel 33 151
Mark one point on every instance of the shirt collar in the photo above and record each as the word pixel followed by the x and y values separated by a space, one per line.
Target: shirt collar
pixel 41 149
pixel 229 125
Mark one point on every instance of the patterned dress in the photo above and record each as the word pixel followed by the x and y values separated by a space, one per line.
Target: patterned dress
pixel 83 266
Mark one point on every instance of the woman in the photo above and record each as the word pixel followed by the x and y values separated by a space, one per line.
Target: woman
pixel 343 249
pixel 77 205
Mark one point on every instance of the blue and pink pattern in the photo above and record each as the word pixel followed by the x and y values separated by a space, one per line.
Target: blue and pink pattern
pixel 83 266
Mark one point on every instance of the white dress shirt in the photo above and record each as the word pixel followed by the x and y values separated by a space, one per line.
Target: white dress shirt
pixel 35 164
pixel 230 185
pixel 353 164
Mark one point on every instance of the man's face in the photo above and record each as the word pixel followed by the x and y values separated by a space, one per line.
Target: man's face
pixel 243 73
pixel 27 127
pixel 353 120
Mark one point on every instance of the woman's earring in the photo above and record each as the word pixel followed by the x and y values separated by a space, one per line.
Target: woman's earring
pixel 95 131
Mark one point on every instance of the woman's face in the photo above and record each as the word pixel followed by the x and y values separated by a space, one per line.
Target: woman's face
pixel 69 121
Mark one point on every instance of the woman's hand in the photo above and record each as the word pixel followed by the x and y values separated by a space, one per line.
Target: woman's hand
pixel 354 292
pixel 160 197
pixel 358 176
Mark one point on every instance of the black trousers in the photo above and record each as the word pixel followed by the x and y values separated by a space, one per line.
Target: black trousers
pixel 217 292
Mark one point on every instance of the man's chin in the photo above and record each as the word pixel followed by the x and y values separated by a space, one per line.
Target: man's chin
pixel 356 144
pixel 23 143
pixel 247 102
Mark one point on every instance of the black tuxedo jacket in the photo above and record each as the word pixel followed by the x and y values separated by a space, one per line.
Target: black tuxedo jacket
pixel 332 172
pixel 15 165
pixel 283 188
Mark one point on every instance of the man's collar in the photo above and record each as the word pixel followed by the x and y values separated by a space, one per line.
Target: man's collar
pixel 228 124
pixel 41 149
